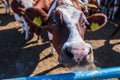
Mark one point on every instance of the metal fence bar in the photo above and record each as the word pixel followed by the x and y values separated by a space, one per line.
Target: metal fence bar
pixel 100 74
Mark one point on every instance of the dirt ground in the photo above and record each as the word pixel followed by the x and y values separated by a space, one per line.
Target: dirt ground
pixel 21 58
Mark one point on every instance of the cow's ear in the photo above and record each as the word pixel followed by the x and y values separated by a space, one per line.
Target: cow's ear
pixel 59 16
pixel 96 21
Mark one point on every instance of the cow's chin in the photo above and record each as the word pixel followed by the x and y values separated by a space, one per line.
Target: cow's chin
pixel 69 62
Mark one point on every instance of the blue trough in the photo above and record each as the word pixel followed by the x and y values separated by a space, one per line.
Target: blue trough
pixel 105 73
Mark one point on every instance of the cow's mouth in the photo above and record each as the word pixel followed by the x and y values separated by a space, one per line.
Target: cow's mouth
pixel 67 59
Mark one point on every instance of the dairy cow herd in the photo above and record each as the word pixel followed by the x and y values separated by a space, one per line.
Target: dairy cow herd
pixel 66 22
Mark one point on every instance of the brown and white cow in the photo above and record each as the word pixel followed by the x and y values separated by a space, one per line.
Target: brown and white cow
pixel 19 16
pixel 18 7
pixel 66 25
pixel 110 7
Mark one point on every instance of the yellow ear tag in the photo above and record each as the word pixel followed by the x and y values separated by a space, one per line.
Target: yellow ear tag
pixel 37 21
pixel 94 26
pixel 22 12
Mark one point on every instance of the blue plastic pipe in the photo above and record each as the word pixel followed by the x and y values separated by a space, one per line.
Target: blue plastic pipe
pixel 104 73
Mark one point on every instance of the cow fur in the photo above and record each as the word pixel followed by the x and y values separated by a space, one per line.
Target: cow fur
pixel 19 6
pixel 66 24
pixel 60 21
pixel 19 16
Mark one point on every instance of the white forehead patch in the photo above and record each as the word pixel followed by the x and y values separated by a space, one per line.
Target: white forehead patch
pixel 27 3
pixel 70 14
pixel 71 17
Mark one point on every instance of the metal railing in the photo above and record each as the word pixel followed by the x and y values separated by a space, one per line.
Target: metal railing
pixel 100 74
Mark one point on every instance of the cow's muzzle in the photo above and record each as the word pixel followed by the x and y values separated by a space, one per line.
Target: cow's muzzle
pixel 76 54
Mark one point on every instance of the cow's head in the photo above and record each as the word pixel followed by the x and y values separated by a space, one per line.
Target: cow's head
pixel 67 26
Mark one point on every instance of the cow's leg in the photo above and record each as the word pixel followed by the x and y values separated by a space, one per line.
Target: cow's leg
pixel 114 12
pixel 52 49
pixel 38 33
pixel 25 28
pixel 8 3
pixel 22 31
pixel 106 9
pixel 7 7
pixel 19 19
pixel 99 4
pixel 103 9
pixel 50 36
pixel 110 13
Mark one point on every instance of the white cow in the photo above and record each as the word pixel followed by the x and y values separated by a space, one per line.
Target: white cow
pixel 19 16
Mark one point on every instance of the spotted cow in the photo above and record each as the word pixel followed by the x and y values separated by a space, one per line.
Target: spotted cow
pixel 18 7
pixel 66 24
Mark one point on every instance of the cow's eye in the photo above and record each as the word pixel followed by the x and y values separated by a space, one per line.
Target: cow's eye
pixel 87 24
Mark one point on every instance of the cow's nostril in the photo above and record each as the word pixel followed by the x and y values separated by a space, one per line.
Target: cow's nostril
pixel 78 60
pixel 68 52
